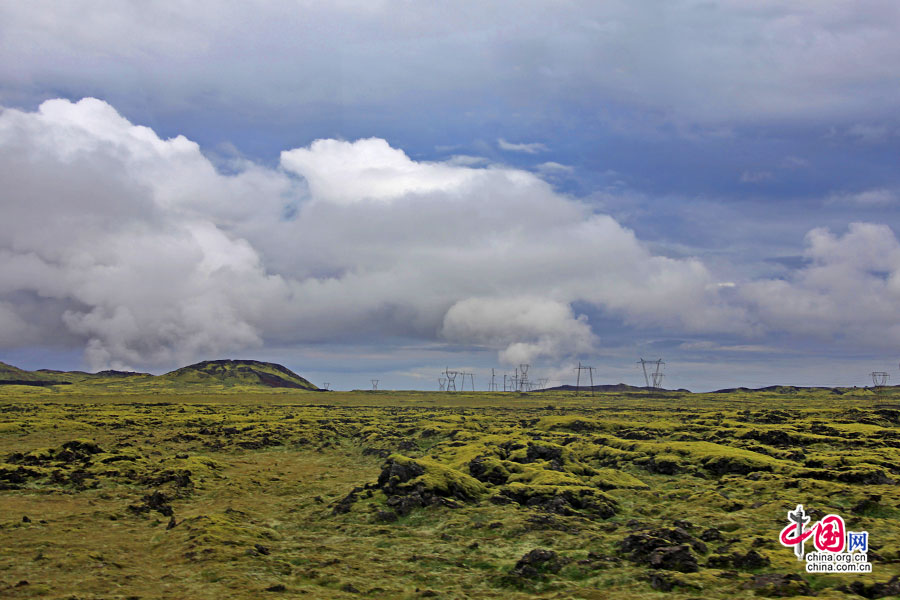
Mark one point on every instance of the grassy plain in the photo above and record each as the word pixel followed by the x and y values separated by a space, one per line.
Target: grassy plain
pixel 243 493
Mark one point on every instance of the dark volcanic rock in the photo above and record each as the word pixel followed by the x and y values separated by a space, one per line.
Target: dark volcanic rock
pixel 869 503
pixel 156 501
pixel 77 450
pixel 386 516
pixel 482 469
pixel 883 589
pixel 640 545
pixel 403 496
pixel 772 437
pixel 13 478
pixel 346 502
pixel 749 561
pixel 663 466
pixel 537 563
pixel 674 558
pixel 566 502
pixel 406 503
pixel 180 477
pixel 538 452
pixel 395 474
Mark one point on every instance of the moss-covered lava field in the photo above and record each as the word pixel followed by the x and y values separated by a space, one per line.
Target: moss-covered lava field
pixel 292 493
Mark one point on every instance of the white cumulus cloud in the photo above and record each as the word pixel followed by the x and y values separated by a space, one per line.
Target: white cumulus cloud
pixel 139 251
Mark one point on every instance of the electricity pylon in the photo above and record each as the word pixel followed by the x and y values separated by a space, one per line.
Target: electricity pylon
pixel 654 378
pixel 451 379
pixel 880 378
pixel 590 371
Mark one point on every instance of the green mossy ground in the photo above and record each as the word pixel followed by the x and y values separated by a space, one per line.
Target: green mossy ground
pixel 106 493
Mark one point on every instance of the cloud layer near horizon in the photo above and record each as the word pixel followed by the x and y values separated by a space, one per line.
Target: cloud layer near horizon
pixel 141 251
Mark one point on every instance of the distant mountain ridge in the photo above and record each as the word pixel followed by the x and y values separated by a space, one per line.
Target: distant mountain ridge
pixel 617 387
pixel 221 372
pixel 789 389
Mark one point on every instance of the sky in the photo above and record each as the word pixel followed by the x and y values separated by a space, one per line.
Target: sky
pixel 385 189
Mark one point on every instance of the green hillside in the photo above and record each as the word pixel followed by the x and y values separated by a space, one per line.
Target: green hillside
pixel 14 375
pixel 239 372
pixel 206 376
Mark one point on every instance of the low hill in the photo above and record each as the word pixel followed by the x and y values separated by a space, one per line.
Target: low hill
pixel 10 375
pixel 216 374
pixel 790 389
pixel 618 387
pixel 239 372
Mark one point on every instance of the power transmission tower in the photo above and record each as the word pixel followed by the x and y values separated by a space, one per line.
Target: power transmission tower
pixel 493 387
pixel 325 385
pixel 590 371
pixel 442 381
pixel 471 377
pixel 451 379
pixel 542 382
pixel 880 378
pixel 653 379
pixel 523 377
pixel 511 381
pixel 374 385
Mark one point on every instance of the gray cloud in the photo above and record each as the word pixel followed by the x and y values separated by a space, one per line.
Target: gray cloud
pixel 878 197
pixel 527 148
pixel 756 176
pixel 761 60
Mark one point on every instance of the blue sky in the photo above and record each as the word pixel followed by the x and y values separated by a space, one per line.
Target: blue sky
pixel 381 190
